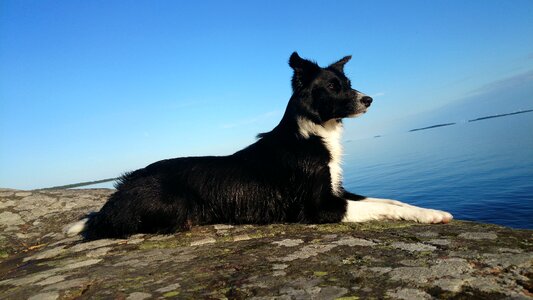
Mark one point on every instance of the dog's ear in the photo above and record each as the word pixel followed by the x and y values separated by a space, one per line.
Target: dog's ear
pixel 340 64
pixel 304 71
pixel 297 63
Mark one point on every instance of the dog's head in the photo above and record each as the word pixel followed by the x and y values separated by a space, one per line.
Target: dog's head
pixel 324 94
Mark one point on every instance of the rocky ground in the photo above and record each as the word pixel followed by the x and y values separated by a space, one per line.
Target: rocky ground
pixel 395 260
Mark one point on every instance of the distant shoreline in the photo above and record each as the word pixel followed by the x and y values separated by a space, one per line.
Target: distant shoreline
pixel 474 120
pixel 501 115
pixel 80 184
pixel 433 126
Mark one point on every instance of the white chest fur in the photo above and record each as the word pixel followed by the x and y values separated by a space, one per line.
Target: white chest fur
pixel 330 132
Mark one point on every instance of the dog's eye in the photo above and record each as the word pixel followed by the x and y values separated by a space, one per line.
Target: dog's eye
pixel 332 86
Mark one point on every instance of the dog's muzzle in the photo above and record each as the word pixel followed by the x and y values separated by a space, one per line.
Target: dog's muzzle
pixel 363 99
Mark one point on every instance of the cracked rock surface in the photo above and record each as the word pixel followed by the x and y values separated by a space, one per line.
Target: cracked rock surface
pixel 393 260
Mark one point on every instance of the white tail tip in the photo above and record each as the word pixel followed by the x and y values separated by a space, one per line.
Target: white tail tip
pixel 77 227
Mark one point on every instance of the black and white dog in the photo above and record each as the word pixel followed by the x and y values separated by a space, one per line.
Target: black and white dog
pixel 291 174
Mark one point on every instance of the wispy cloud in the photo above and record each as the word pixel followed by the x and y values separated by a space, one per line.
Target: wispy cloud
pixel 259 118
pixel 378 94
pixel 504 83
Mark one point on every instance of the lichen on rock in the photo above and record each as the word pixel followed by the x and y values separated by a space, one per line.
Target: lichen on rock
pixel 396 260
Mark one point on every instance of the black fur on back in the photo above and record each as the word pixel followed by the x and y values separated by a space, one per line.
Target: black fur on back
pixel 283 177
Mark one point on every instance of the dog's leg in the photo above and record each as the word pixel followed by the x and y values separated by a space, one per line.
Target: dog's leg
pixel 382 209
pixel 351 196
pixel 388 201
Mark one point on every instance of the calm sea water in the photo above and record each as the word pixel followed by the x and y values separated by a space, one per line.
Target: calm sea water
pixel 480 171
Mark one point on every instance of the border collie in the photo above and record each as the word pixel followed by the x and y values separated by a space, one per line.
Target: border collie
pixel 290 174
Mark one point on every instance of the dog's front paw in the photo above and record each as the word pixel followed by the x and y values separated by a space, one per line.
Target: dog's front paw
pixel 431 216
pixel 385 209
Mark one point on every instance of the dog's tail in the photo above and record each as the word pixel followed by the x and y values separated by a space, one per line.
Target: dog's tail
pixel 78 227
pixel 81 226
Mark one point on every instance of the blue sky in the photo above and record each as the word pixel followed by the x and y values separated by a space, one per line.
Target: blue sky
pixel 90 89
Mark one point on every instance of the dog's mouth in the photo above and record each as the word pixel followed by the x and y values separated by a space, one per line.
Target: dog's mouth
pixel 357 114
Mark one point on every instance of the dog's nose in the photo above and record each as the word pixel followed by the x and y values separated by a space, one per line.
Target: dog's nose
pixel 366 101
